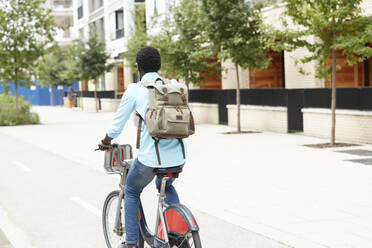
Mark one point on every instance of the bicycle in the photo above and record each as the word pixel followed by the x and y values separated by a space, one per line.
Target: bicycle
pixel 175 226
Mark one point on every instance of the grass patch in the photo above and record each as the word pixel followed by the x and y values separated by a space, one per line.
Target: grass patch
pixel 9 116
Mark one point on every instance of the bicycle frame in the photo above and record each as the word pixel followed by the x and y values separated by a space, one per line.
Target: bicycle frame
pixel 179 220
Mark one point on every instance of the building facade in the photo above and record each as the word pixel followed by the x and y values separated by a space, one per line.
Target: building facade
pixel 62 13
pixel 113 22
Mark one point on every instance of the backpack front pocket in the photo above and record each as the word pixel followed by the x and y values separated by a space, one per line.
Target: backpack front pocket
pixel 175 121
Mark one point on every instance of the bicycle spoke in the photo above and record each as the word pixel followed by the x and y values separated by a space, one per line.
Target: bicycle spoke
pixel 113 237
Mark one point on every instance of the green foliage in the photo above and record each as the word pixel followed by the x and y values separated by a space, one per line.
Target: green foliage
pixel 138 38
pixel 52 68
pixel 26 28
pixel 92 59
pixel 236 28
pixel 85 60
pixel 9 116
pixel 71 62
pixel 324 26
pixel 184 45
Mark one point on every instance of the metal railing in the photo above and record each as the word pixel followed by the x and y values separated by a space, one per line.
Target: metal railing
pixel 62 3
pixel 117 34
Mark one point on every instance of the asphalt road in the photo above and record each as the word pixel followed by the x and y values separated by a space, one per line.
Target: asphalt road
pixel 241 188
pixel 47 200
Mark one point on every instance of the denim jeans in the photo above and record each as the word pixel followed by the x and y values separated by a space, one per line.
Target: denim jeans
pixel 139 176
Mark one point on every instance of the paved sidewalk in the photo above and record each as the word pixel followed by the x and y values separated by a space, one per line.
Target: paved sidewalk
pixel 4 242
pixel 267 183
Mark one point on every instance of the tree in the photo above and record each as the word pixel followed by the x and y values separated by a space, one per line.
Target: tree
pixel 52 68
pixel 92 61
pixel 184 46
pixel 323 27
pixel 72 63
pixel 236 28
pixel 182 43
pixel 26 29
pixel 138 38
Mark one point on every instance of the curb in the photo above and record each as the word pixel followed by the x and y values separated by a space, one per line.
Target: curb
pixel 4 242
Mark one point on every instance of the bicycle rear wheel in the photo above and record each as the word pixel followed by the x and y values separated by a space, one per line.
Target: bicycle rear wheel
pixel 113 237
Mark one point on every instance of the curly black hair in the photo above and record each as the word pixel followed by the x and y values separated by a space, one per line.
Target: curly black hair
pixel 148 59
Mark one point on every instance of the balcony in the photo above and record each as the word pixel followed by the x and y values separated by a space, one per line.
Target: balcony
pixel 119 33
pixel 62 4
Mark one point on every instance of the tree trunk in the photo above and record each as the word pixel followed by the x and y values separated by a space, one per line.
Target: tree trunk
pixel 52 100
pixel 237 98
pixel 16 94
pixel 81 100
pixel 96 99
pixel 61 98
pixel 80 95
pixel 333 83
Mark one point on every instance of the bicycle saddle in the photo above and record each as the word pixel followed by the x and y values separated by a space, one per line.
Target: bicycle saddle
pixel 168 172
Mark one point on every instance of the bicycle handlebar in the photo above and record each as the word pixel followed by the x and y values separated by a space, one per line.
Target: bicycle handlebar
pixel 102 148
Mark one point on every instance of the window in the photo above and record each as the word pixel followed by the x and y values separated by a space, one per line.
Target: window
pixel 117 24
pixel 80 12
pixel 95 4
pixel 155 8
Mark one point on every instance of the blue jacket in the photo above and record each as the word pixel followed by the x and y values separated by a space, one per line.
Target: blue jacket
pixel 135 98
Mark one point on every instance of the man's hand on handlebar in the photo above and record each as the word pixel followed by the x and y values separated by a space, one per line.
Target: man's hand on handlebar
pixel 105 144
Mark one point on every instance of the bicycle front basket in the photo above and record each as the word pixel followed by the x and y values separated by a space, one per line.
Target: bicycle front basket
pixel 114 158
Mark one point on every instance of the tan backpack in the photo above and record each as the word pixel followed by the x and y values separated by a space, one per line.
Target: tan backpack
pixel 168 115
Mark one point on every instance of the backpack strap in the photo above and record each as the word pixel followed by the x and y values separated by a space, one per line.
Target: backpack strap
pixel 156 141
pixel 139 128
pixel 160 79
pixel 183 148
pixel 144 83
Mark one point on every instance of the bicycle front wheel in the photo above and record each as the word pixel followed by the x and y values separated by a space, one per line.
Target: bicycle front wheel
pixel 114 236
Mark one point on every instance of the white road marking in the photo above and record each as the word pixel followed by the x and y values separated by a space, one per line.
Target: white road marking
pixel 87 206
pixel 15 236
pixel 90 207
pixel 21 165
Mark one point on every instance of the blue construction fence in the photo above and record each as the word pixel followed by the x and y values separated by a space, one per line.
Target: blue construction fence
pixel 39 95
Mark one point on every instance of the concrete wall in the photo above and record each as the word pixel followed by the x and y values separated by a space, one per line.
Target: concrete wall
pixel 205 113
pixel 128 74
pixel 229 78
pixel 259 118
pixel 109 105
pixel 88 104
pixel 65 99
pixel 111 79
pixel 351 125
pixel 293 78
pixel 367 7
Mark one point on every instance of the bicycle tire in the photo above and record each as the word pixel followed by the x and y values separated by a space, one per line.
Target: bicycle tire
pixel 109 199
pixel 180 242
pixel 196 238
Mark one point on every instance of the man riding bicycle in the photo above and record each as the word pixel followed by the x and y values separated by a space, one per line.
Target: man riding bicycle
pixel 141 172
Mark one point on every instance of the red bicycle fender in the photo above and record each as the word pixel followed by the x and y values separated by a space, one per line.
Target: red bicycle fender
pixel 179 219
